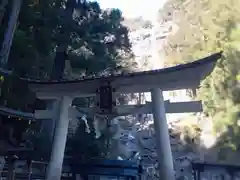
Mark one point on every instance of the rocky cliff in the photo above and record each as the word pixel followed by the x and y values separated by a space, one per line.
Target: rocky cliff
pixel 136 141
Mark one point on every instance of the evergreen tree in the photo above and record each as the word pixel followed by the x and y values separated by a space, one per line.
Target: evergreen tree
pixel 93 40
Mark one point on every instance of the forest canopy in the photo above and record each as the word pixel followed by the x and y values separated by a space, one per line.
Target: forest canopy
pixel 74 37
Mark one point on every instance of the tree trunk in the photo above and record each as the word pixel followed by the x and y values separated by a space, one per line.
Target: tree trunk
pixel 9 34
pixel 2 9
pixel 63 42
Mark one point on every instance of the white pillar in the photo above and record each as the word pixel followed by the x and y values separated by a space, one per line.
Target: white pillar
pixel 59 141
pixel 55 108
pixel 164 152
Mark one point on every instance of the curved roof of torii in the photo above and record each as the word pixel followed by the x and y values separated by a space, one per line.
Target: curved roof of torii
pixel 177 77
pixel 181 76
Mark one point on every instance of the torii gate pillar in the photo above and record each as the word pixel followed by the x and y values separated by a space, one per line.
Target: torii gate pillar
pixel 163 144
pixel 59 141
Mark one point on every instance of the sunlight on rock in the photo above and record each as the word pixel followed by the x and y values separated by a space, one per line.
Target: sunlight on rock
pixel 208 141
pixel 238 122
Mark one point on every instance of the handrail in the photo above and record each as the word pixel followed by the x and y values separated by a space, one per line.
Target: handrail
pixel 199 169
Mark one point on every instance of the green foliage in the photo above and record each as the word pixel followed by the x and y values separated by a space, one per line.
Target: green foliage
pixel 205 27
pixel 15 94
pixel 95 40
pixel 191 134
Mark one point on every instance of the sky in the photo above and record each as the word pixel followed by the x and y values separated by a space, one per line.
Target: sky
pixel 134 8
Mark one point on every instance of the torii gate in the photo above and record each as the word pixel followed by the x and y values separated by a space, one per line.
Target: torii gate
pixel 63 92
pixel 178 77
